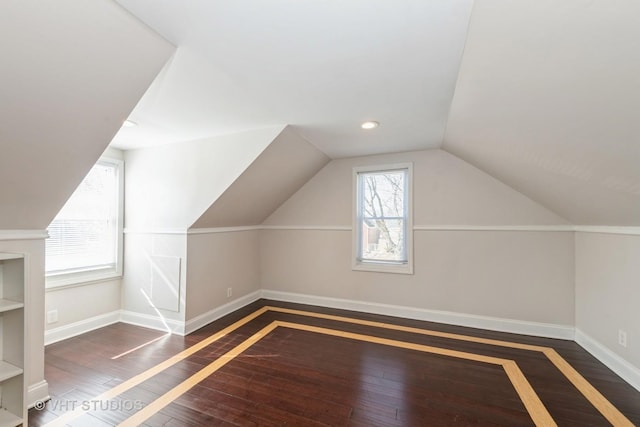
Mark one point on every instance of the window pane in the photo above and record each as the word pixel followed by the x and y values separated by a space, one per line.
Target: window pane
pixel 383 240
pixel 382 209
pixel 383 194
pixel 84 234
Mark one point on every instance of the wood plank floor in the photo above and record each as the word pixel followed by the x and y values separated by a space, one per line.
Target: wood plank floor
pixel 310 366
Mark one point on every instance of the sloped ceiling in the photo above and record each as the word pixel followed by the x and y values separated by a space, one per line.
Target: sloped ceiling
pixel 323 67
pixel 547 100
pixel 277 173
pixel 72 71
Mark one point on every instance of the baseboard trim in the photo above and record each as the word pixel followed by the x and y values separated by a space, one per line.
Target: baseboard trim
pixel 38 392
pixel 152 322
pixel 73 329
pixel 617 364
pixel 204 319
pixel 460 319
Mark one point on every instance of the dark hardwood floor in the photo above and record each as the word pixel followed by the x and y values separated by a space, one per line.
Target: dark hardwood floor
pixel 323 372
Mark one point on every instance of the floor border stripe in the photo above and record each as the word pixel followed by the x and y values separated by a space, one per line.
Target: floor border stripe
pixel 528 396
pixel 606 408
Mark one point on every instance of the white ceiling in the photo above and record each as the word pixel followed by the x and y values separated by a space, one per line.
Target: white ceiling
pixel 548 102
pixel 544 98
pixel 322 67
pixel 63 95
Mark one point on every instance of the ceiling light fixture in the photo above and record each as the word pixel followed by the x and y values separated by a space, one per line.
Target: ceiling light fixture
pixel 370 125
pixel 129 124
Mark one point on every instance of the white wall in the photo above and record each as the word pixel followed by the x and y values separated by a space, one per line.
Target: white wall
pixel 217 261
pixel 140 248
pixel 171 186
pixel 278 172
pixel 608 292
pixel 83 302
pixel 521 275
pixel 167 188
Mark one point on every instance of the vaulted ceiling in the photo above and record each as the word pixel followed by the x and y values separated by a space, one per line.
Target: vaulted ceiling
pixel 542 94
pixel 71 73
pixel 323 67
pixel 548 101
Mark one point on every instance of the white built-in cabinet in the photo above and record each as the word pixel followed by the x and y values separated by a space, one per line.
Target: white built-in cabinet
pixel 13 411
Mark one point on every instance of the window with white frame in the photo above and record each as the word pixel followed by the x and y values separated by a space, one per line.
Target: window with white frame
pixel 85 238
pixel 383 228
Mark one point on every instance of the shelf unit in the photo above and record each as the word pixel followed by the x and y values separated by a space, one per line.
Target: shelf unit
pixel 13 411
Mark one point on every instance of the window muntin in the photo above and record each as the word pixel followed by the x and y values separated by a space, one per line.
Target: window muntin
pixel 382 232
pixel 86 236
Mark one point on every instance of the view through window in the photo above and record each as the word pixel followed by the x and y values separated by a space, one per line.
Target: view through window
pixel 382 205
pixel 85 234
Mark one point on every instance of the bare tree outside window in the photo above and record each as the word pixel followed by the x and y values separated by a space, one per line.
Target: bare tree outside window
pixel 382 205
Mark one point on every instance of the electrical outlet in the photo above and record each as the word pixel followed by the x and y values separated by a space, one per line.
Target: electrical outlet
pixel 52 316
pixel 229 292
pixel 622 337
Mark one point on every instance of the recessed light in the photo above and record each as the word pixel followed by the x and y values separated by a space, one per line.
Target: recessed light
pixel 370 125
pixel 129 124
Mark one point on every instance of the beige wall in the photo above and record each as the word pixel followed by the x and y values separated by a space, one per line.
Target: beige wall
pixel 608 290
pixel 447 190
pixel 79 303
pixel 278 172
pixel 514 275
pixel 217 261
pixel 522 275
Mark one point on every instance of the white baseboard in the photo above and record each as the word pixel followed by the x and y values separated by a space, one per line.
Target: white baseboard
pixel 218 312
pixel 152 322
pixel 617 364
pixel 148 321
pixel 38 392
pixel 460 319
pixel 71 330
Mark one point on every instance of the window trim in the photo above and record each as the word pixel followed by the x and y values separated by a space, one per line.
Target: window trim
pixel 382 266
pixel 89 276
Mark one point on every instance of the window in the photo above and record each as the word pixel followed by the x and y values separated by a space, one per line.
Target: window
pixel 85 238
pixel 383 228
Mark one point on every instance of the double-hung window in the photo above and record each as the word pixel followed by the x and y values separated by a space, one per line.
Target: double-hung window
pixel 85 238
pixel 383 228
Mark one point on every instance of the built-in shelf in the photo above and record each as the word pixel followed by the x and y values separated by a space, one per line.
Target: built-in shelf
pixel 13 411
pixel 7 305
pixel 7 370
pixel 7 419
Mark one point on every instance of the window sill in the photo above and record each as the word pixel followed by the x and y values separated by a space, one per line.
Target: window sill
pixel 374 267
pixel 56 282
